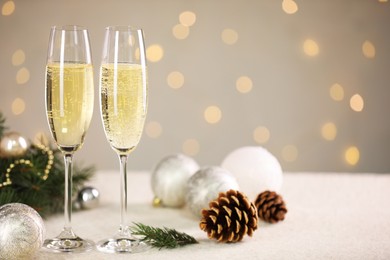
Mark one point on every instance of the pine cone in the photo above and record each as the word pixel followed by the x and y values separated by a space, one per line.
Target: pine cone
pixel 270 206
pixel 230 217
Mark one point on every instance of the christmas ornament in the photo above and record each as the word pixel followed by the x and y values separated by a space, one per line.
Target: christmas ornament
pixel 270 206
pixel 21 231
pixel 169 179
pixel 205 185
pixel 255 169
pixel 50 159
pixel 7 181
pixel 88 197
pixel 29 165
pixel 230 217
pixel 12 144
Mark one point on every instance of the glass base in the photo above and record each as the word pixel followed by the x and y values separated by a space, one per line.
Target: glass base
pixel 67 241
pixel 123 242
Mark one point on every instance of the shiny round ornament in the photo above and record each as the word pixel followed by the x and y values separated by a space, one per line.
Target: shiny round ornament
pixel 88 198
pixel 205 185
pixel 12 144
pixel 22 231
pixel 169 179
pixel 255 169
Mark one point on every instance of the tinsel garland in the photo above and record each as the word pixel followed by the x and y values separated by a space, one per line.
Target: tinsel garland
pixel 37 177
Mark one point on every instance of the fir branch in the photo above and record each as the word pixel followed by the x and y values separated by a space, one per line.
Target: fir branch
pixel 162 237
pixel 2 124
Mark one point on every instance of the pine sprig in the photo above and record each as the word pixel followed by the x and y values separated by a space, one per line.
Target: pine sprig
pixel 162 237
pixel 2 124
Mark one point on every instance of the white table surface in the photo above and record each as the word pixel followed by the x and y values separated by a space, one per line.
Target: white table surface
pixel 330 216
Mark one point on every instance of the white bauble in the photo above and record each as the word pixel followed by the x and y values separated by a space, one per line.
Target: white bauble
pixel 205 186
pixel 255 169
pixel 169 179
pixel 22 231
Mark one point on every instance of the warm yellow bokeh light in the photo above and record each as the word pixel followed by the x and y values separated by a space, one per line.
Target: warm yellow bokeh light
pixel 368 49
pixel 244 84
pixel 310 47
pixel 289 153
pixel 175 80
pixel 329 131
pixel 352 155
pixel 382 1
pixel 187 18
pixel 22 76
pixel 18 106
pixel 261 134
pixel 153 129
pixel 336 92
pixel 229 36
pixel 191 147
pixel 357 103
pixel 180 31
pixel 289 6
pixel 154 53
pixel 18 58
pixel 212 114
pixel 8 8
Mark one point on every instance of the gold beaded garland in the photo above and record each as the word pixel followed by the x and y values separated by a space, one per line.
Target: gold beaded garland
pixel 50 160
pixel 45 174
pixel 9 169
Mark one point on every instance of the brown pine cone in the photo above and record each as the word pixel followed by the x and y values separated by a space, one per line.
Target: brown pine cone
pixel 230 217
pixel 270 206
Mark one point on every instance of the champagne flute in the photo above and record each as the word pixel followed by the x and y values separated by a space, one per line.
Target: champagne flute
pixel 69 108
pixel 123 100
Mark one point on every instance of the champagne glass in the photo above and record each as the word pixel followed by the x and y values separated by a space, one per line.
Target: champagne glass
pixel 123 101
pixel 69 107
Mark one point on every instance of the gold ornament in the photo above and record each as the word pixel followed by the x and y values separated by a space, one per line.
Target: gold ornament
pixel 157 202
pixel 12 144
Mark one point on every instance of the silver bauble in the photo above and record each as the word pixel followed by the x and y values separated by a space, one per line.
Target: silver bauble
pixel 205 186
pixel 169 179
pixel 88 198
pixel 12 144
pixel 22 231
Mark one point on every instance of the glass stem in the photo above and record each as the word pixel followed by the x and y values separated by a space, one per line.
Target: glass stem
pixel 123 187
pixel 68 190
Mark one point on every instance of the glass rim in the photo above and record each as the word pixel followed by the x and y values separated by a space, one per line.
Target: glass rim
pixel 69 28
pixel 123 28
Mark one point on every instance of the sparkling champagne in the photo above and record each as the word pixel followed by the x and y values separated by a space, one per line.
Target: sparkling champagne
pixel 123 104
pixel 69 103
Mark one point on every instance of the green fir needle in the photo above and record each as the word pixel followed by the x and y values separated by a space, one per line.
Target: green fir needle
pixel 162 237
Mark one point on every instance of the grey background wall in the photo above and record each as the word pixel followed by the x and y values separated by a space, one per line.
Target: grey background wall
pixel 308 80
